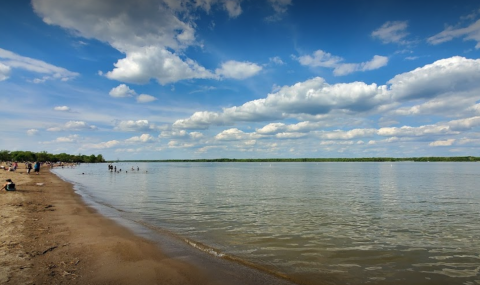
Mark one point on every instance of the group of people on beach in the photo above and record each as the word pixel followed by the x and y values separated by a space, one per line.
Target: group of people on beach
pixel 14 165
pixel 9 185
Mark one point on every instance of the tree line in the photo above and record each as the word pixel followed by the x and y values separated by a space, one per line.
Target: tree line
pixel 44 156
pixel 362 159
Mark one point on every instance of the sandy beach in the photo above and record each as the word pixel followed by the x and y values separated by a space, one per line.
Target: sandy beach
pixel 50 236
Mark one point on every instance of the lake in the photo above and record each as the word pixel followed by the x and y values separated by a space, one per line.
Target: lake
pixel 340 222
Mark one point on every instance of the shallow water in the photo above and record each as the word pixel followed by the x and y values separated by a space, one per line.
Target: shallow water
pixel 344 223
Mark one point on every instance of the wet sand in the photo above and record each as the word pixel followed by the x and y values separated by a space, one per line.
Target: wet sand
pixel 50 236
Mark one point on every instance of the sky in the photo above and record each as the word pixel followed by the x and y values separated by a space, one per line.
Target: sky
pixel 192 79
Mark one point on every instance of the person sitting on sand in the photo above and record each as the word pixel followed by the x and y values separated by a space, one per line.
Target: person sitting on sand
pixel 9 186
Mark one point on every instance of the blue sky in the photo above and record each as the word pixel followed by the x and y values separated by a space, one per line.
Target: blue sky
pixel 188 79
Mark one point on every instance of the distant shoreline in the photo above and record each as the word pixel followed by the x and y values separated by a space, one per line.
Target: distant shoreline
pixel 363 159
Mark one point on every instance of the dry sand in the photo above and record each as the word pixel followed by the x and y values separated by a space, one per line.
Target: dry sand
pixel 50 236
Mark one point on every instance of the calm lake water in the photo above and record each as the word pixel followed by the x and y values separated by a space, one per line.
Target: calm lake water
pixel 343 223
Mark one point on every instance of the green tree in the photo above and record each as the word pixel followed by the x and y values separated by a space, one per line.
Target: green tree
pixel 100 158
pixel 5 155
pixel 23 156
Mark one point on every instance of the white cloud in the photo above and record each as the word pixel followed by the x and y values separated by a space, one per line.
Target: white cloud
pixel 200 120
pixel 122 90
pixel 174 134
pixel 455 74
pixel 62 108
pixel 321 58
pixel 348 135
pixel 73 126
pixel 142 64
pixel 392 32
pixel 277 60
pixel 290 135
pixel 69 139
pixel 12 60
pixel 32 132
pixel 465 124
pixel 144 138
pixel 448 142
pixel 144 98
pixel 178 144
pixel 134 126
pixel 196 135
pixel 102 145
pixel 301 127
pixel 312 97
pixel 238 70
pixel 471 32
pixel 408 131
pixel 233 135
pixel 272 128
pixel 457 77
pixel 151 34
pixel 180 134
pixel 233 8
pixel 4 72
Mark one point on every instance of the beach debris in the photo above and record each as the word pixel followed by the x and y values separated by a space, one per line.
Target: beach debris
pixel 49 249
pixel 48 206
pixel 66 273
pixel 40 184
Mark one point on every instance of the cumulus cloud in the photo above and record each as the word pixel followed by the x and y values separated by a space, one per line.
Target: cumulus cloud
pixel 134 126
pixel 73 126
pixel 453 127
pixel 312 97
pixel 153 34
pixel 142 64
pixel 455 74
pixel 62 108
pixel 408 131
pixel 144 138
pixel 4 72
pixel 436 84
pixel 122 90
pixel 233 135
pixel 200 120
pixel 11 60
pixel 392 32
pixel 145 98
pixel 471 32
pixel 238 70
pixel 301 127
pixel 321 58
